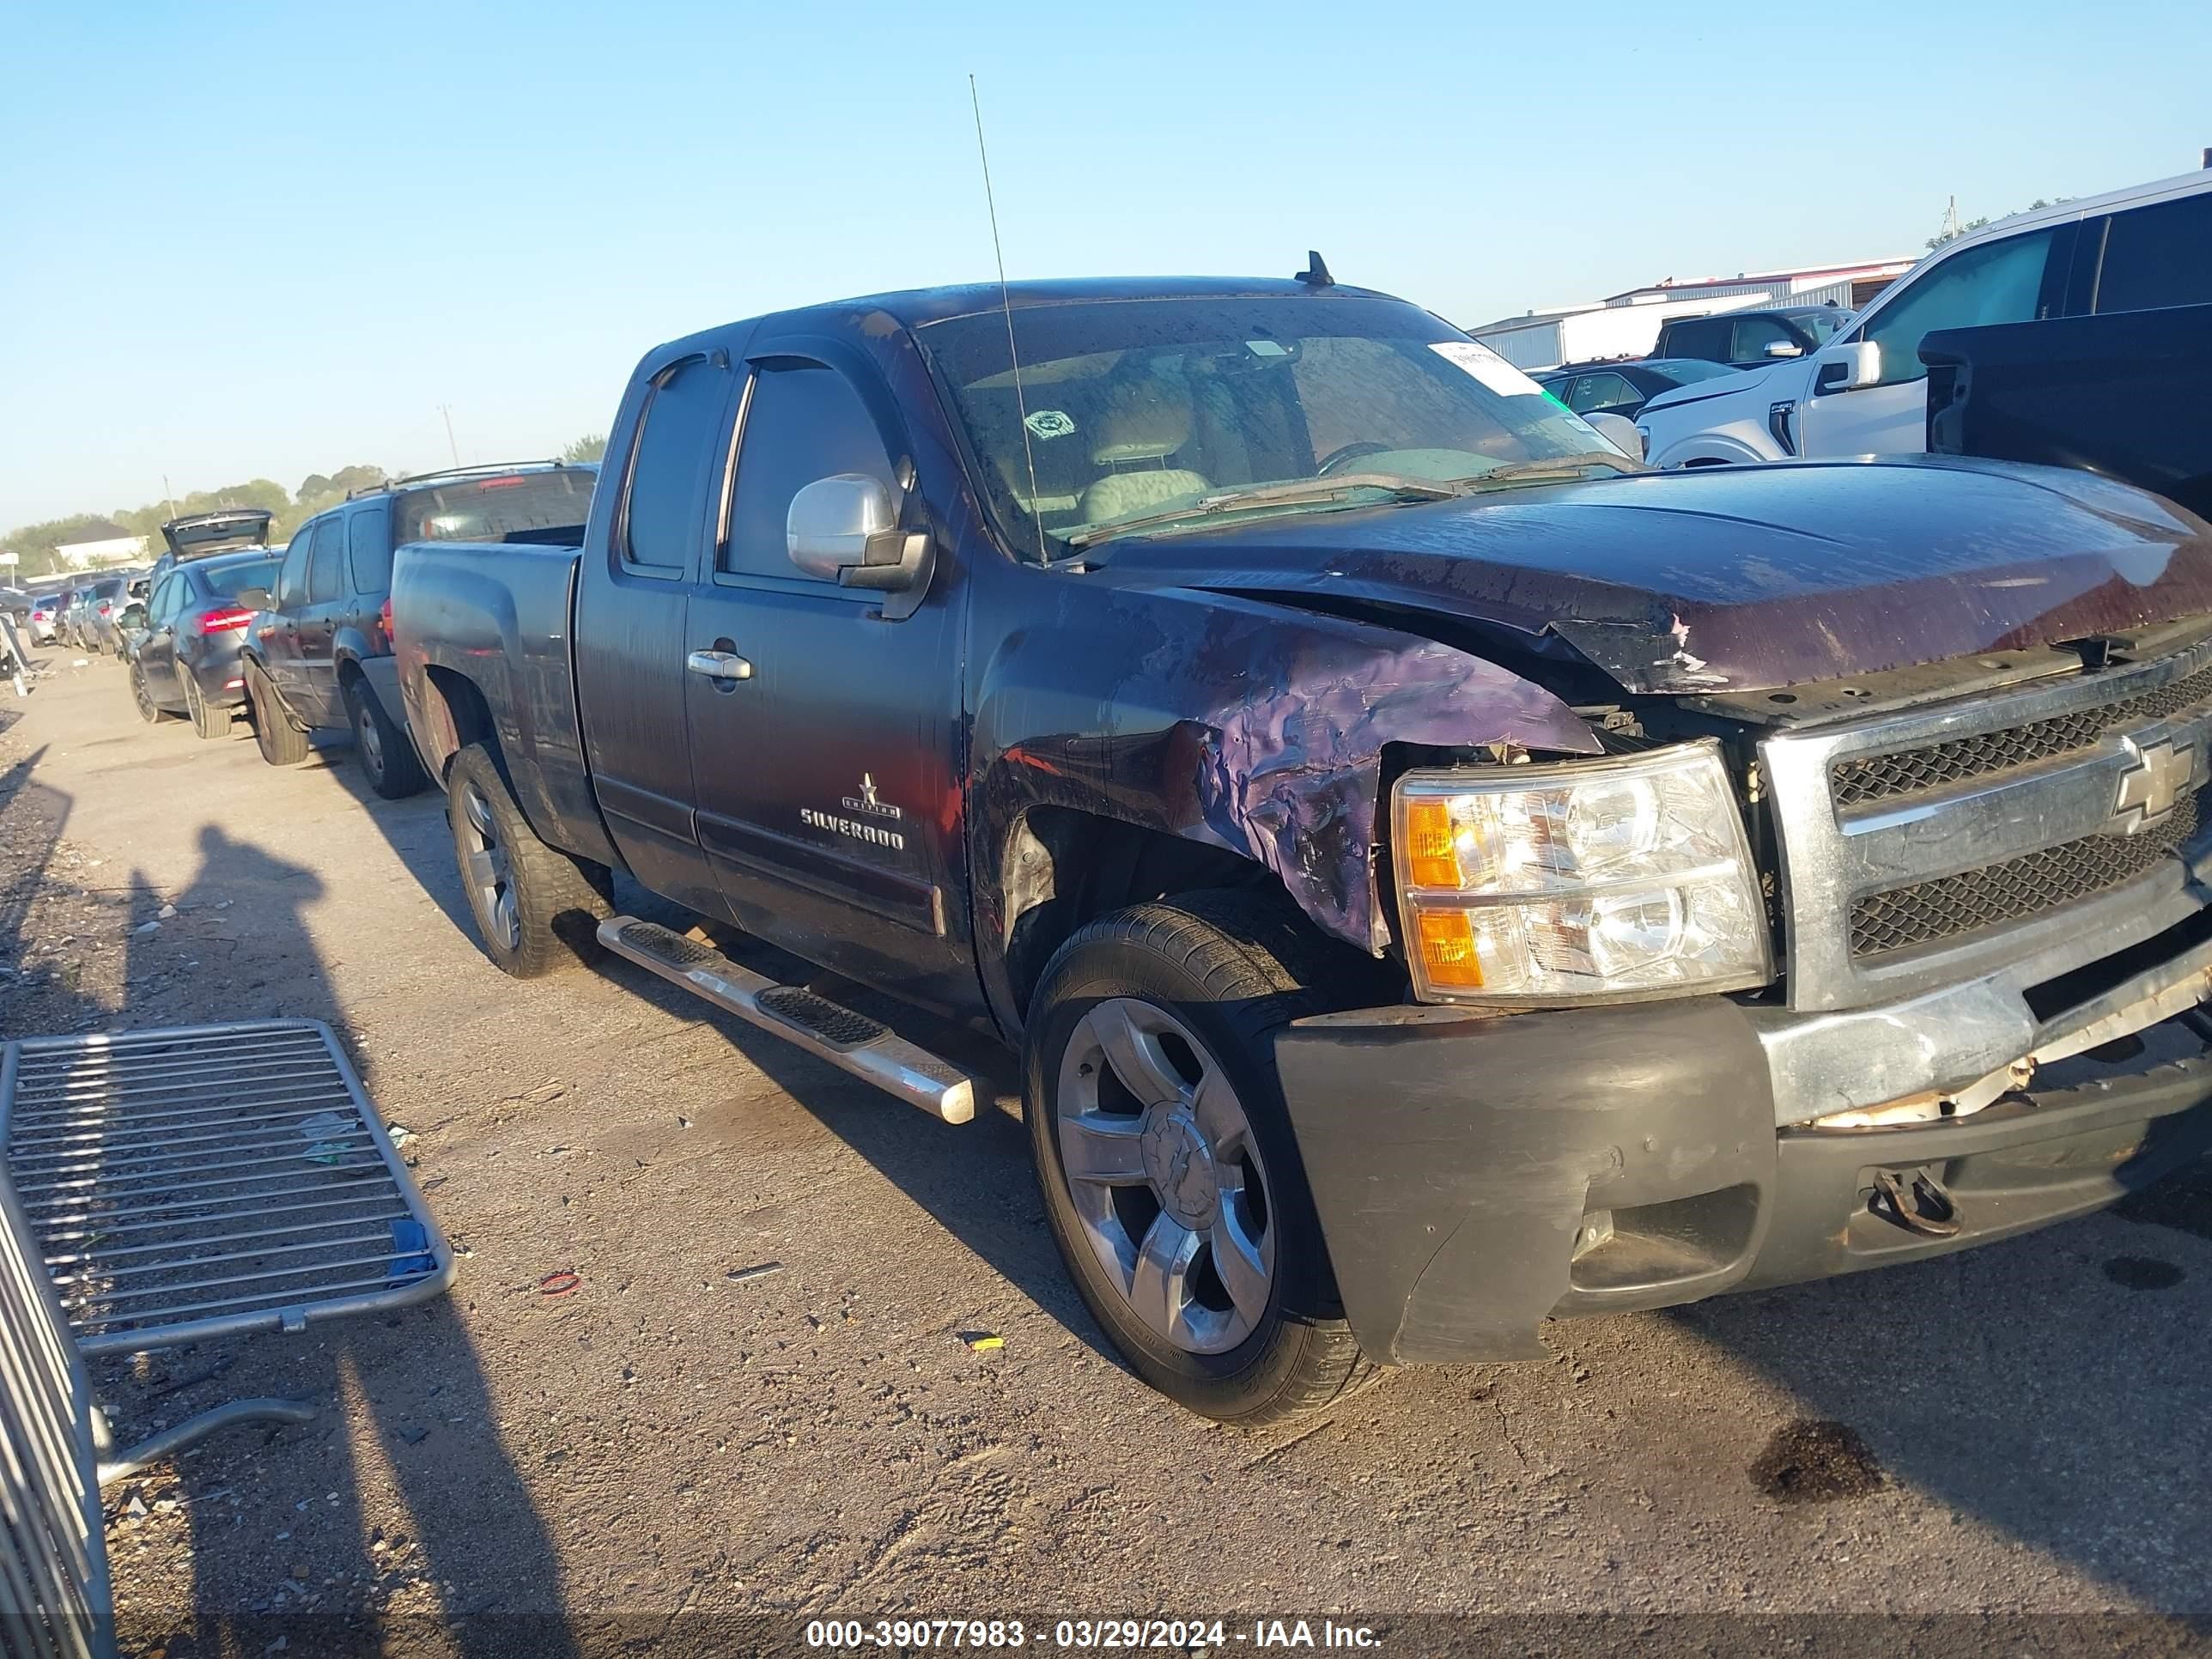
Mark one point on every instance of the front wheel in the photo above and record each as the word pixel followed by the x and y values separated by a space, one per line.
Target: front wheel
pixel 208 722
pixel 387 758
pixel 1170 1172
pixel 536 909
pixel 281 743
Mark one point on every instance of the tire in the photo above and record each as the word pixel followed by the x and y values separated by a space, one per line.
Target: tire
pixel 208 724
pixel 281 743
pixel 1195 986
pixel 536 909
pixel 142 694
pixel 387 757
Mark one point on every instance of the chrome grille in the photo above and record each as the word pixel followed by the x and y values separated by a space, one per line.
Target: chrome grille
pixel 1954 906
pixel 192 1182
pixel 1906 772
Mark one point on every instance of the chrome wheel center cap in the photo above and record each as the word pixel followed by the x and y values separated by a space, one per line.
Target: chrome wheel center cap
pixel 1179 1167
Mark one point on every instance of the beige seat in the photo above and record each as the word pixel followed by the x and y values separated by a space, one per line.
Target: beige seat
pixel 1145 422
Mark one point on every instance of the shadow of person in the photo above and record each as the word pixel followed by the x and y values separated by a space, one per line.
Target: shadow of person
pixel 396 1521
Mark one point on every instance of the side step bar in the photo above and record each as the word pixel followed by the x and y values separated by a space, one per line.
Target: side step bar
pixel 852 1043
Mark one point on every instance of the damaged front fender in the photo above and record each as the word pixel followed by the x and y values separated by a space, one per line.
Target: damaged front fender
pixel 1229 721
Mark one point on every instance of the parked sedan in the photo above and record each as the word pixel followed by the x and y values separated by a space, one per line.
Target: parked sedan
pixel 46 615
pixel 188 661
pixel 1623 389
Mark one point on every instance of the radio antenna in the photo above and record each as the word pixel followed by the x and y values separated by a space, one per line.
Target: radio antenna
pixel 1006 304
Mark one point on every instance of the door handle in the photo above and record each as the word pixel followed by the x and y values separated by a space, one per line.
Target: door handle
pixel 724 665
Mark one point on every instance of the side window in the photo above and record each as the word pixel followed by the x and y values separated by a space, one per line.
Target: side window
pixel 292 579
pixel 368 548
pixel 2158 256
pixel 1997 283
pixel 677 441
pixel 1702 337
pixel 801 424
pixel 325 581
pixel 164 599
pixel 1754 335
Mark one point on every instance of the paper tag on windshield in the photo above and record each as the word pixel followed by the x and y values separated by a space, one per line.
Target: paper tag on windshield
pixel 1487 367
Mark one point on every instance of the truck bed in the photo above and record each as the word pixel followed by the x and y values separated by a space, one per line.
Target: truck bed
pixel 498 615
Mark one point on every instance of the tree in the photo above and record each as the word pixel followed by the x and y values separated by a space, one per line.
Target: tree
pixel 312 485
pixel 1951 234
pixel 592 447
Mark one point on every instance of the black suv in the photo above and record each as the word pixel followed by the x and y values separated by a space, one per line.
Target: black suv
pixel 1750 339
pixel 319 656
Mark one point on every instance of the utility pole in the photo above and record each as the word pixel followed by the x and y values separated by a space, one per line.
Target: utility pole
pixel 168 496
pixel 446 409
pixel 1950 230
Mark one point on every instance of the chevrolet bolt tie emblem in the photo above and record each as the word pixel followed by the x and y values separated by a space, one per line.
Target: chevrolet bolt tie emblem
pixel 2152 785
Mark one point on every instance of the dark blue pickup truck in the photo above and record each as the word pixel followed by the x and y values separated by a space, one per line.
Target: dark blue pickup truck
pixel 1439 875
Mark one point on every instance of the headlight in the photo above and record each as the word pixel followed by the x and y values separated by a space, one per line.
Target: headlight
pixel 1579 880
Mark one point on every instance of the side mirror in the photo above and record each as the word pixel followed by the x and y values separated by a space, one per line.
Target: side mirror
pixel 1847 367
pixel 1620 432
pixel 844 529
pixel 134 615
pixel 255 599
pixel 1784 348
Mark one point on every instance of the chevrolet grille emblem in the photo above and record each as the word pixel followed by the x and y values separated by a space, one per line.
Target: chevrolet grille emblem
pixel 2151 784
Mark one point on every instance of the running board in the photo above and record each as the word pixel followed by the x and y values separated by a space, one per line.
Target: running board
pixel 850 1042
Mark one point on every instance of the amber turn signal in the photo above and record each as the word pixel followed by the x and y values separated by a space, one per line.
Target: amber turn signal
pixel 1448 949
pixel 1430 858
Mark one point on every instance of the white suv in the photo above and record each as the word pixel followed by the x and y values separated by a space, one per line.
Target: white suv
pixel 1865 393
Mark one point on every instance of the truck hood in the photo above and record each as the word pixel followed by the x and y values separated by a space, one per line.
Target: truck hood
pixel 1744 382
pixel 1741 578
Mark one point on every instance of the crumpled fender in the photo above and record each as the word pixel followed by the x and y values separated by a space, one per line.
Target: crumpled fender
pixel 1251 726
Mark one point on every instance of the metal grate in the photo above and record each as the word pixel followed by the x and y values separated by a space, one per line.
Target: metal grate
pixel 54 1593
pixel 196 1182
pixel 1878 777
pixel 2042 880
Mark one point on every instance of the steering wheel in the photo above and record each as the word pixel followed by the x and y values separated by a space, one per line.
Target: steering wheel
pixel 1347 452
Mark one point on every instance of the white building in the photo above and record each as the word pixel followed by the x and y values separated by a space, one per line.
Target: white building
pixel 101 543
pixel 1626 325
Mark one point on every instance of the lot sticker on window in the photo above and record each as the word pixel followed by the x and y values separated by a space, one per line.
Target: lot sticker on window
pixel 1487 367
pixel 1051 423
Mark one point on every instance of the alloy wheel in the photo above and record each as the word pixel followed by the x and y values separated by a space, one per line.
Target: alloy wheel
pixel 491 876
pixel 1165 1175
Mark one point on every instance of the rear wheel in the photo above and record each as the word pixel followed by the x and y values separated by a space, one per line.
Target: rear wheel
pixel 1169 1171
pixel 536 909
pixel 143 694
pixel 387 757
pixel 281 743
pixel 207 722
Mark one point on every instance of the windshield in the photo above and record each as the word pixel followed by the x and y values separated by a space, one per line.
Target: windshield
pixel 514 507
pixel 1136 410
pixel 228 580
pixel 1820 324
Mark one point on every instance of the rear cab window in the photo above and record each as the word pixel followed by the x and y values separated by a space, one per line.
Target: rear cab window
pixel 2157 256
pixel 677 440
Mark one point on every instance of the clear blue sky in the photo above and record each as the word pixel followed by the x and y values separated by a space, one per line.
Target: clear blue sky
pixel 270 239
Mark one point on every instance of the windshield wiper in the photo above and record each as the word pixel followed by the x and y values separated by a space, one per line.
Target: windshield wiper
pixel 1293 492
pixel 1561 463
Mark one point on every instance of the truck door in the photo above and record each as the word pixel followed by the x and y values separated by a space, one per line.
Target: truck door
pixel 315 628
pixel 2000 282
pixel 629 645
pixel 276 635
pixel 826 756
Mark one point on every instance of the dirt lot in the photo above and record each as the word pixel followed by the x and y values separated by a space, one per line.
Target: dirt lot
pixel 671 1455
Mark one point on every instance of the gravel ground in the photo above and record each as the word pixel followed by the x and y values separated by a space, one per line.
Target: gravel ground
pixel 672 1457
